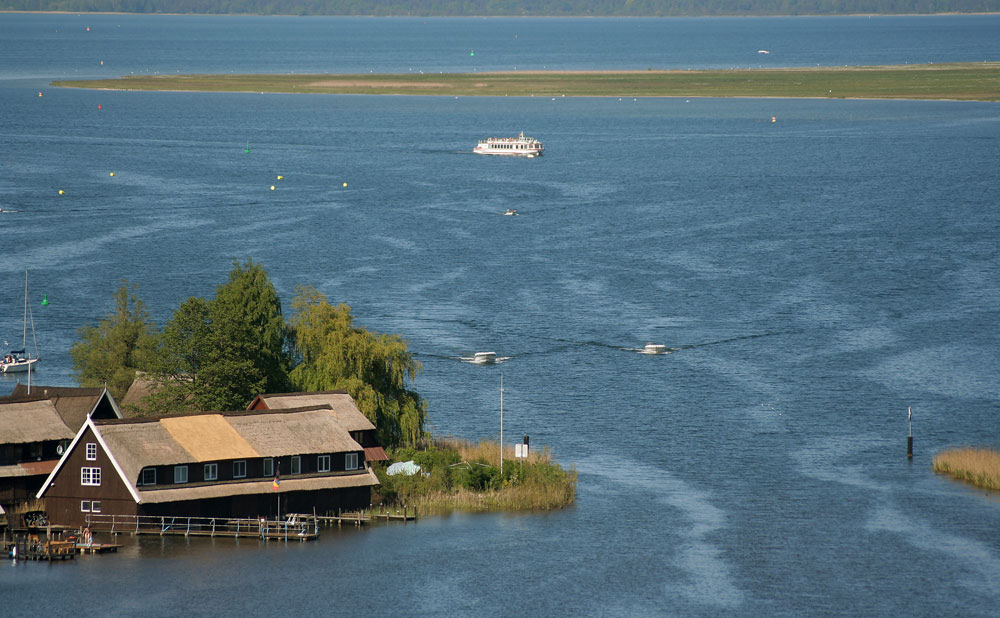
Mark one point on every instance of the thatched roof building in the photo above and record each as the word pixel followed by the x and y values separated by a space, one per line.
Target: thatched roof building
pixel 217 464
pixel 340 405
pixel 36 428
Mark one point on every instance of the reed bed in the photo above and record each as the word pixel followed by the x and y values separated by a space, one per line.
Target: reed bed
pixel 978 81
pixel 979 466
pixel 457 475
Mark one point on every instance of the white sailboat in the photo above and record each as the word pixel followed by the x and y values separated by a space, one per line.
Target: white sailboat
pixel 19 360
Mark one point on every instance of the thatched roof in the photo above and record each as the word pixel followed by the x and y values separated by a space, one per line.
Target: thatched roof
pixel 294 432
pixel 31 420
pixel 341 405
pixel 72 403
pixel 215 436
pixel 137 445
pixel 208 437
pixel 141 386
pixel 364 479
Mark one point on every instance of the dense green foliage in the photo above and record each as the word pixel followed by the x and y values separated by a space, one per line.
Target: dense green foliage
pixel 111 352
pixel 618 8
pixel 373 368
pixel 218 354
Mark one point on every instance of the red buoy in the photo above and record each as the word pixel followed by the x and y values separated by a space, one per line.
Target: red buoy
pixel 98 106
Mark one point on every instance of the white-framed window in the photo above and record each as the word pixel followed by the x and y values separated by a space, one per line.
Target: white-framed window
pixel 90 476
pixel 85 506
pixel 351 461
pixel 95 506
pixel 296 465
pixel 240 469
pixel 92 451
pixel 149 476
pixel 211 471
pixel 322 463
pixel 268 467
pixel 180 474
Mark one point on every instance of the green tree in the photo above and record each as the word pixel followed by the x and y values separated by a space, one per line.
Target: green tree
pixel 111 352
pixel 219 354
pixel 373 368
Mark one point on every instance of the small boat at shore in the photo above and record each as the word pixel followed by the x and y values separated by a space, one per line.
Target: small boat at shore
pixel 519 146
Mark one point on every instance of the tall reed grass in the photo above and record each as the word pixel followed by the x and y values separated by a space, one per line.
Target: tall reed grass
pixel 979 466
pixel 465 476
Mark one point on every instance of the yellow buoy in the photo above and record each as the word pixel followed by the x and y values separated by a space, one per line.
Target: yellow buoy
pixel 345 184
pixel 39 94
pixel 774 119
pixel 61 192
pixel 272 187
pixel 112 174
pixel 281 177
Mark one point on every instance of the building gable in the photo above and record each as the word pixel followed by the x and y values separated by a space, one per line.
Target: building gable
pixel 76 457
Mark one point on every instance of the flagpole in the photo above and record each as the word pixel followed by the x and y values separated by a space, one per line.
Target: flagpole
pixel 501 425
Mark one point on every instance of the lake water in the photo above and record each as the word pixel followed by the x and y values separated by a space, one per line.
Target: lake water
pixel 816 275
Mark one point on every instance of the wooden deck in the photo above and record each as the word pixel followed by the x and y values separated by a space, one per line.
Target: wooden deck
pixel 360 518
pixel 302 529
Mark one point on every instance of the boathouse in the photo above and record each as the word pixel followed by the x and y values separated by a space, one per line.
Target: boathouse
pixel 211 464
pixel 36 427
pixel 341 406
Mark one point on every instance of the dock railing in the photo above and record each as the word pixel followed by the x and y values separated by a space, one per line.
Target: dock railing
pixel 300 528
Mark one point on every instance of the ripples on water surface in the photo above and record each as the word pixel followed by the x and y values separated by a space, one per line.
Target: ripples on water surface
pixel 811 277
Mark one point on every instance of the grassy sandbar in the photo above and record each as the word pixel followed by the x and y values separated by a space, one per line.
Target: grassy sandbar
pixel 960 81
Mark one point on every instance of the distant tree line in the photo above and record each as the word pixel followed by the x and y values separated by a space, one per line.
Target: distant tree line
pixel 219 353
pixel 615 8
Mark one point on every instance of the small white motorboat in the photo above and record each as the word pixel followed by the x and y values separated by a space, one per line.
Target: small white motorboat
pixel 484 358
pixel 510 212
pixel 654 348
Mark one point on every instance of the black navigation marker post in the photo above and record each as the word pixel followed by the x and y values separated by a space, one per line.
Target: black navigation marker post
pixel 909 437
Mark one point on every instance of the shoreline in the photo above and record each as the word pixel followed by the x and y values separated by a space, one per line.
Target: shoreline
pixel 978 81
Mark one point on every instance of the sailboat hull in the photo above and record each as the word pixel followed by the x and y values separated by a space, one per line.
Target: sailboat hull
pixel 18 366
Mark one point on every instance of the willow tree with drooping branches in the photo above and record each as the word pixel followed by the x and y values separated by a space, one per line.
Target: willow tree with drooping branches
pixel 373 368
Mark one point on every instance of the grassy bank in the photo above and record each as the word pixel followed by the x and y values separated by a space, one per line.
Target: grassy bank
pixel 965 81
pixel 458 475
pixel 978 466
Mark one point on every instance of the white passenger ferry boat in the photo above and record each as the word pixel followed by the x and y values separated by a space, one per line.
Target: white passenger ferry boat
pixel 519 146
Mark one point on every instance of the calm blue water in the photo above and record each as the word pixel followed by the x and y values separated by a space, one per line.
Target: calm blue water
pixel 817 275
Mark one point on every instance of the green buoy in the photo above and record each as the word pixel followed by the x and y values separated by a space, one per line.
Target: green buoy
pixel 45 300
pixel 247 148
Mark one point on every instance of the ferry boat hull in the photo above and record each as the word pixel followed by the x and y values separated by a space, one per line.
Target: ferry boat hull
pixel 519 146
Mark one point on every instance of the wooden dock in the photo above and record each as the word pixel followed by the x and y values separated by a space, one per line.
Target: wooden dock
pixel 360 518
pixel 291 529
pixel 25 549
pixel 98 548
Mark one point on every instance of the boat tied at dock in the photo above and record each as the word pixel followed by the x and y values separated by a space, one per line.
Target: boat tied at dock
pixel 519 146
